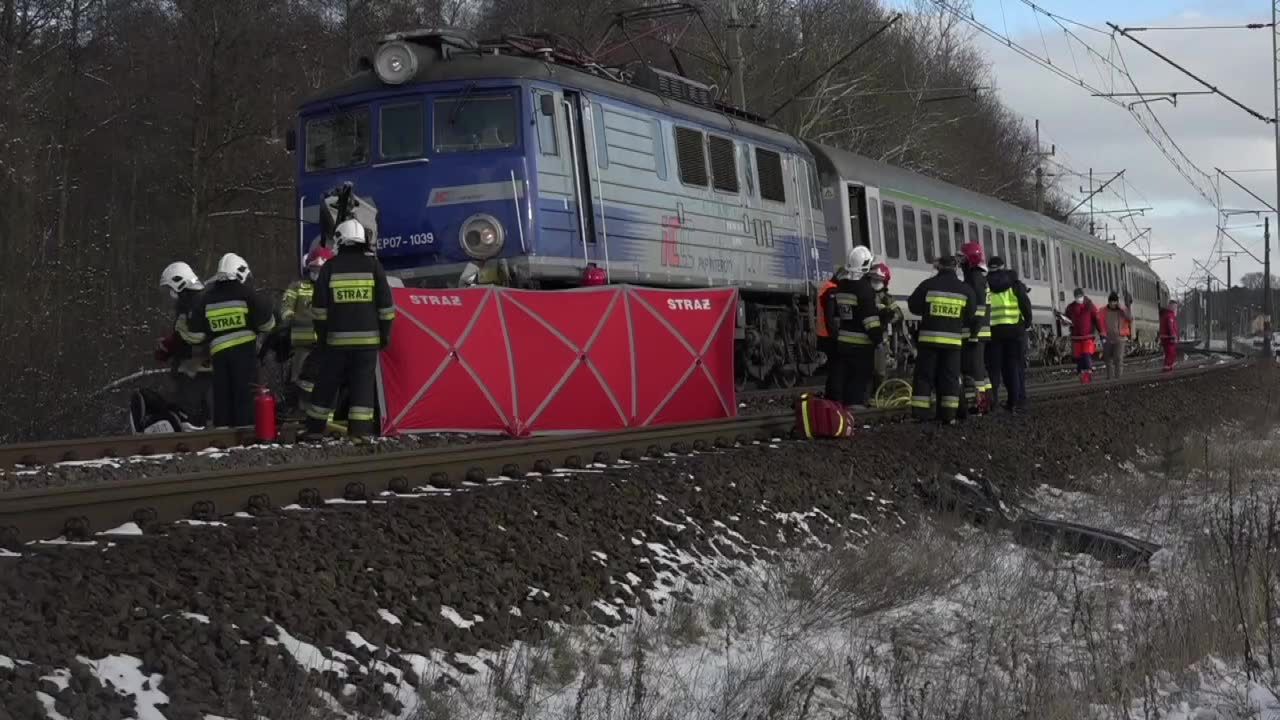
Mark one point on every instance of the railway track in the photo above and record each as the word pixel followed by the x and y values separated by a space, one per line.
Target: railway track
pixel 80 511
pixel 120 446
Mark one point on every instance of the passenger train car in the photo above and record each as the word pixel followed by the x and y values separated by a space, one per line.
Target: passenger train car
pixel 909 219
pixel 470 154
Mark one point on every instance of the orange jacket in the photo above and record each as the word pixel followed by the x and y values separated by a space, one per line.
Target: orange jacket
pixel 823 297
pixel 1126 320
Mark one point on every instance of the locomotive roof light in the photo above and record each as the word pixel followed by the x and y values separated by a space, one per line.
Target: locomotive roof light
pixel 396 63
pixel 482 236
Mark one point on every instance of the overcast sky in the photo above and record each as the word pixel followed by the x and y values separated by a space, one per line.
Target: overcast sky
pixel 1089 131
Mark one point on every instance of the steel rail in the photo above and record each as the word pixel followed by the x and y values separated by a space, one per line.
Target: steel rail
pixel 80 511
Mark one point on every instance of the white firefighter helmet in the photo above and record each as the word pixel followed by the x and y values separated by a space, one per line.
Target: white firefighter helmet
pixel 350 232
pixel 859 262
pixel 233 267
pixel 178 276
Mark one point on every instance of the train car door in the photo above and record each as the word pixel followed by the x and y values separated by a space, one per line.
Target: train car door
pixel 862 217
pixel 580 157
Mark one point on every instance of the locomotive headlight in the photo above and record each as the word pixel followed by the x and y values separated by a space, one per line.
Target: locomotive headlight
pixel 395 63
pixel 482 236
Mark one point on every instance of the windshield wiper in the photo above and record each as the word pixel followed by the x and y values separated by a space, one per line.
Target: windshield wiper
pixel 462 102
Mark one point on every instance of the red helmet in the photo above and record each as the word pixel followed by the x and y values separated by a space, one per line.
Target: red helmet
pixel 317 257
pixel 881 270
pixel 973 255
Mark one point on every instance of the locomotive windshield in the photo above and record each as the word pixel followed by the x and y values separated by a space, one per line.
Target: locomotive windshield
pixel 338 141
pixel 475 122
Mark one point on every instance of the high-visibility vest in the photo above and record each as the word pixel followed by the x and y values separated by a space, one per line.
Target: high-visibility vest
pixel 823 298
pixel 1004 308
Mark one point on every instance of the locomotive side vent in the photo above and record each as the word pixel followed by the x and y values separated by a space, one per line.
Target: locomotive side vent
pixel 673 86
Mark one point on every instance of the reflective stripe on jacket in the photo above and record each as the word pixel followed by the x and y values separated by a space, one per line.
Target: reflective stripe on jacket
pixel 295 310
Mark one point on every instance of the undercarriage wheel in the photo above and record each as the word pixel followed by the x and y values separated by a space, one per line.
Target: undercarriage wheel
pixel 786 374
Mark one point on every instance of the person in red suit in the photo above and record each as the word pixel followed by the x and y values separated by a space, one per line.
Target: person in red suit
pixel 1169 334
pixel 1083 316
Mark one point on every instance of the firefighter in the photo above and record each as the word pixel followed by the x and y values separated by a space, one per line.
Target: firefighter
pixel 973 365
pixel 1010 320
pixel 295 315
pixel 946 307
pixel 826 300
pixel 1083 317
pixel 187 357
pixel 858 331
pixel 1115 322
pixel 352 309
pixel 229 316
pixel 1169 334
pixel 890 320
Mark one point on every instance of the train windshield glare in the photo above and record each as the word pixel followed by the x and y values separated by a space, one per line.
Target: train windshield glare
pixel 475 122
pixel 338 141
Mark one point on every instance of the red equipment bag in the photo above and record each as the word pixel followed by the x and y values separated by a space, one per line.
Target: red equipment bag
pixel 821 418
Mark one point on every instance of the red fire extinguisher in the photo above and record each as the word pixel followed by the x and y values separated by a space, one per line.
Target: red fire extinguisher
pixel 264 415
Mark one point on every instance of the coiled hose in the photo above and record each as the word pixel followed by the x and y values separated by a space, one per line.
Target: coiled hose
pixel 893 393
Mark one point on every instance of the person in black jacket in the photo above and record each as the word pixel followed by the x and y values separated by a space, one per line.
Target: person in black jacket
pixel 191 371
pixel 229 316
pixel 946 307
pixel 352 310
pixel 1010 319
pixel 855 318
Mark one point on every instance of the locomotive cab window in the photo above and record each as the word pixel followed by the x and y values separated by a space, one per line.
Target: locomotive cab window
pixel 338 141
pixel 471 122
pixel 400 131
pixel 769 165
pixel 724 166
pixel 548 143
pixel 926 234
pixel 944 236
pixel 909 242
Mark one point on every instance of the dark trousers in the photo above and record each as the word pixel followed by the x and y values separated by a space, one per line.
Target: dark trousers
pixel 194 395
pixel 973 370
pixel 849 381
pixel 354 370
pixel 235 372
pixel 1007 362
pixel 935 391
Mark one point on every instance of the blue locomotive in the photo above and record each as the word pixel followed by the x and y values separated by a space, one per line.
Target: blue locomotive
pixel 508 153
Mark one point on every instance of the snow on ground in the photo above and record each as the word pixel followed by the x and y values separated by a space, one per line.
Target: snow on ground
pixel 124 673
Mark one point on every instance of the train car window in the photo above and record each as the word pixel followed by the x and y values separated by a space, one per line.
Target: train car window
pixel 548 143
pixel 1002 248
pixel 1044 260
pixel 338 141
pixel 691 157
pixel 944 236
pixel 1022 253
pixel 926 235
pixel 400 131
pixel 474 122
pixel 1075 270
pixel 912 252
pixel 1011 260
pixel 890 229
pixel 724 168
pixel 973 232
pixel 1057 256
pixel 769 165
pixel 987 247
pixel 1035 260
